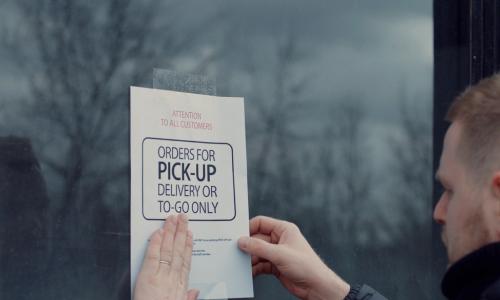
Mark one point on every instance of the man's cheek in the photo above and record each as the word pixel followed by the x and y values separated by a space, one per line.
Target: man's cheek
pixel 443 237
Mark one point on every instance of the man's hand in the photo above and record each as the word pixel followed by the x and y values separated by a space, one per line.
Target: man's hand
pixel 165 270
pixel 278 247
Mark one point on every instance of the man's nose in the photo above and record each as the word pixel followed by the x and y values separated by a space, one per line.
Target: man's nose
pixel 440 211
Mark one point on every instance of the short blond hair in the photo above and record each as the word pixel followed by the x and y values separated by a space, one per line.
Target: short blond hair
pixel 478 110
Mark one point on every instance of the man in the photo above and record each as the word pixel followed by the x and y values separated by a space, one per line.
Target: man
pixel 468 210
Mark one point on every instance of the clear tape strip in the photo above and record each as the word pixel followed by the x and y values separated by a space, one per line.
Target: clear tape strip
pixel 183 82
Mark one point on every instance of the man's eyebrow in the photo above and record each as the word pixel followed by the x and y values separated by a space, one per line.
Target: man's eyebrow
pixel 439 177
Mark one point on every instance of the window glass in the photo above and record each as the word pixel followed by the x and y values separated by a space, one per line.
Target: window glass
pixel 338 99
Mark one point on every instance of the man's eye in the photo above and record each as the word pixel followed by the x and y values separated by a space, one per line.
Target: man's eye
pixel 440 188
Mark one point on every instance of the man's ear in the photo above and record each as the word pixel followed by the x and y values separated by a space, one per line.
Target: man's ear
pixel 495 209
pixel 495 185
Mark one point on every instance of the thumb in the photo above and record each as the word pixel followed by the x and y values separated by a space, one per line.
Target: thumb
pixel 259 248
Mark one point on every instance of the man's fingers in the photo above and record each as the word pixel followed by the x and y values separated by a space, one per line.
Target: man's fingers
pixel 167 245
pixel 256 260
pixel 266 238
pixel 263 237
pixel 267 225
pixel 192 294
pixel 259 248
pixel 180 243
pixel 152 257
pixel 262 268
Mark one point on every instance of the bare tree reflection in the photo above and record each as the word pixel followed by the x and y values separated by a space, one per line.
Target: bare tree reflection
pixel 82 56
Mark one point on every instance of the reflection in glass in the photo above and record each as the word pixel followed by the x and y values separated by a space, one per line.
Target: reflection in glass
pixel 338 99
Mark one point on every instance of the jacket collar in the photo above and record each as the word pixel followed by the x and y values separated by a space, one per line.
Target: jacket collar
pixel 474 273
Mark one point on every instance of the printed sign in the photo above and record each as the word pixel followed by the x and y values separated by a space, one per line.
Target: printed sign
pixel 191 177
pixel 188 155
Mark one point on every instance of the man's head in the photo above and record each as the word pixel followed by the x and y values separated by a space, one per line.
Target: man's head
pixel 469 208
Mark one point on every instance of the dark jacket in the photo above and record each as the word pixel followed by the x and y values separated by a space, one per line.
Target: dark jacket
pixel 474 277
pixel 363 292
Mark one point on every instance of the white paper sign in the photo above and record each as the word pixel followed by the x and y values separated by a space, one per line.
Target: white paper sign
pixel 188 155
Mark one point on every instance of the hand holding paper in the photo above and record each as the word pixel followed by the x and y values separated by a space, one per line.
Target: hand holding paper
pixel 277 247
pixel 165 269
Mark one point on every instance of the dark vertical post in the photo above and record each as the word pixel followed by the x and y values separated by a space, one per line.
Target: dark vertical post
pixel 489 30
pixel 476 41
pixel 451 74
pixel 491 37
pixel 496 35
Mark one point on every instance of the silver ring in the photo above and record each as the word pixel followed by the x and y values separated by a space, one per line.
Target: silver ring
pixel 165 262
